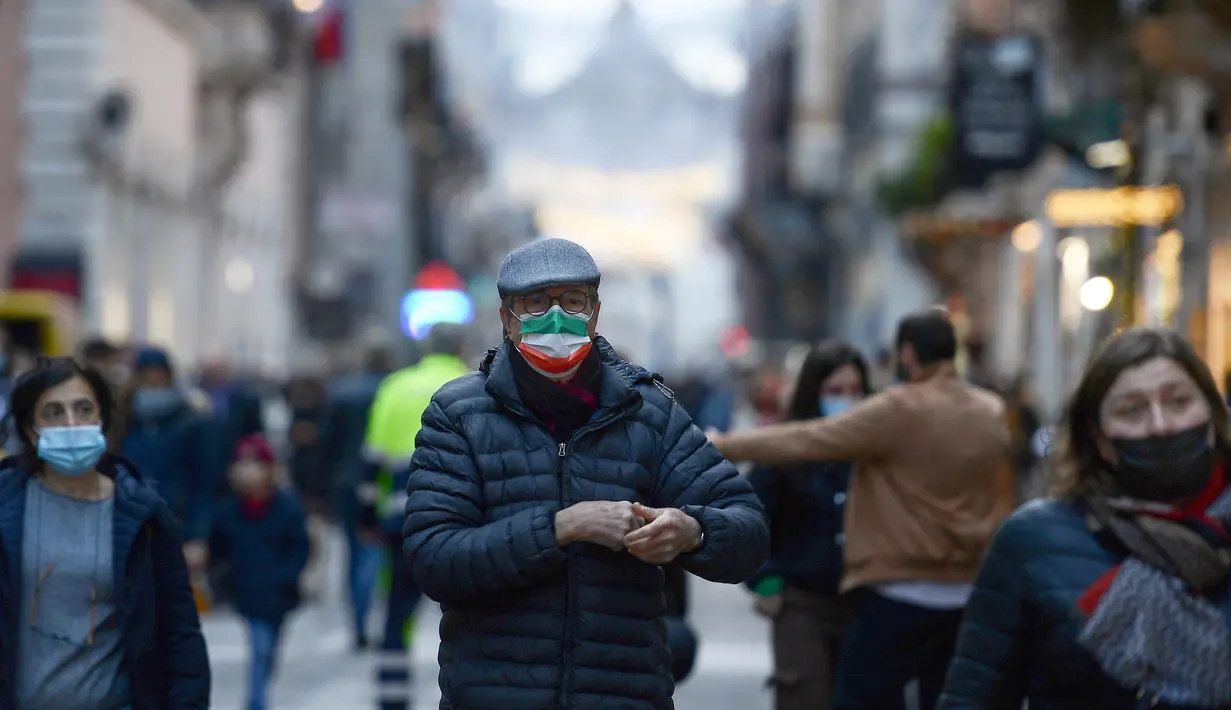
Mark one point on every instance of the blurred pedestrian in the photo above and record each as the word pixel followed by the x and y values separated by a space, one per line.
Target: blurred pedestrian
pixel 547 492
pixel 931 483
pixel 175 447
pixel 1114 594
pixel 97 612
pixel 798 589
pixel 102 355
pixel 393 428
pixel 350 399
pixel 311 472
pixel 235 403
pixel 263 533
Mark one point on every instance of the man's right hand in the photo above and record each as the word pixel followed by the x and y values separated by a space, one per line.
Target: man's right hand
pixel 598 521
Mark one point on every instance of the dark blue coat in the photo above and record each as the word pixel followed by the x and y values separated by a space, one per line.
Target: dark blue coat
pixel 529 625
pixel 806 505
pixel 267 555
pixel 1019 636
pixel 350 399
pixel 180 453
pixel 164 652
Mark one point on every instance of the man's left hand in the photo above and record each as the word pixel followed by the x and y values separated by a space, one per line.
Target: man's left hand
pixel 668 533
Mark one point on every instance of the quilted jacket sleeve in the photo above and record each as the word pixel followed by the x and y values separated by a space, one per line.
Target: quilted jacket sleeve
pixel 989 669
pixel 695 478
pixel 455 556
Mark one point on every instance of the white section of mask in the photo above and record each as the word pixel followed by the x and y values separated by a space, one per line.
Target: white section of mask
pixel 555 345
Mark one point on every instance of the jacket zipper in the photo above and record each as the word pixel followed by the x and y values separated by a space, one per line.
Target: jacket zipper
pixel 566 658
pixel 562 456
pixel 565 497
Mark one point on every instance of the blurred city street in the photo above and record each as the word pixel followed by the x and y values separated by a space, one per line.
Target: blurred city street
pixel 319 671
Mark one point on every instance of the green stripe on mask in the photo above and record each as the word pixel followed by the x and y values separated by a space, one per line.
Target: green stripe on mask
pixel 555 322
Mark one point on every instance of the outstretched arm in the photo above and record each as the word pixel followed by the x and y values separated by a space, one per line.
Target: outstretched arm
pixel 861 433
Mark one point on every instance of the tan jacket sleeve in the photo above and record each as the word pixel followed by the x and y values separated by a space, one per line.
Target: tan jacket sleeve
pixel 864 432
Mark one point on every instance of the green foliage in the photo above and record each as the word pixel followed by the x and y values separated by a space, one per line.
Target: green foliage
pixel 926 181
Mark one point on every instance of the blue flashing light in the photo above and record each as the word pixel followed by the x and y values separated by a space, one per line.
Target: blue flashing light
pixel 424 308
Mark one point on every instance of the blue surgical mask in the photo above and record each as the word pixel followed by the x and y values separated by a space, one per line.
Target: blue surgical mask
pixel 71 450
pixel 155 402
pixel 833 406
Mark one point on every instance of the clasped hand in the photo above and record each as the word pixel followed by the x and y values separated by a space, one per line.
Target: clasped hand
pixel 653 535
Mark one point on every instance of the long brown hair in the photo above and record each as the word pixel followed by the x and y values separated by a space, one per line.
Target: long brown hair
pixel 1078 455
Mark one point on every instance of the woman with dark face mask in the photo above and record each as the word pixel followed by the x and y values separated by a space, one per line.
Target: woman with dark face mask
pixel 1114 594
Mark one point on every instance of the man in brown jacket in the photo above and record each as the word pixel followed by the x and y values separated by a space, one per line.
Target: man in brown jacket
pixel 931 484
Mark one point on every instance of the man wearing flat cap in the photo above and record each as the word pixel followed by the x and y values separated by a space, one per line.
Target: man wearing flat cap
pixel 547 491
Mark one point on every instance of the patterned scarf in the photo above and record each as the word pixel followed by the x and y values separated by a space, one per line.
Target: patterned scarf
pixel 1150 622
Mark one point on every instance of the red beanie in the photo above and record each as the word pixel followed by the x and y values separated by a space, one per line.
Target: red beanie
pixel 254 447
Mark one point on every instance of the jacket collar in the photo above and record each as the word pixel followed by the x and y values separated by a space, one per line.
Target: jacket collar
pixel 620 379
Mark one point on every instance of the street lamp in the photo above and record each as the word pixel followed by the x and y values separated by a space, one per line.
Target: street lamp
pixel 1026 236
pixel 1096 293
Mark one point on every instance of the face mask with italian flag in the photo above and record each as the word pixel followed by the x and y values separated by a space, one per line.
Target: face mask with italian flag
pixel 555 343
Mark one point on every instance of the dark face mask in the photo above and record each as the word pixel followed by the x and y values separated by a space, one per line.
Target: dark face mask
pixel 1165 469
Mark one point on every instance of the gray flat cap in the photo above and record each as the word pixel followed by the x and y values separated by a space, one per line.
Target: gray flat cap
pixel 545 263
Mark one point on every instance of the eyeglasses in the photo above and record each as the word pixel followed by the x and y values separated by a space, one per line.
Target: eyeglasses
pixel 572 302
pixel 38 587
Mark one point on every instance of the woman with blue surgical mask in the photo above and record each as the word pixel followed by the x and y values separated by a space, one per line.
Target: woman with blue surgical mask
pixel 96 612
pixel 797 590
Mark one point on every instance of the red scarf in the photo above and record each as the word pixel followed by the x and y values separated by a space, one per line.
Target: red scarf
pixel 1195 510
pixel 255 508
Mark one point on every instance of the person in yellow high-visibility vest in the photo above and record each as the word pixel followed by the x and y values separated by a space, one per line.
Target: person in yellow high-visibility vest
pixel 393 423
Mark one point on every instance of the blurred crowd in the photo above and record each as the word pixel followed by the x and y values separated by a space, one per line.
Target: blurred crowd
pixel 910 532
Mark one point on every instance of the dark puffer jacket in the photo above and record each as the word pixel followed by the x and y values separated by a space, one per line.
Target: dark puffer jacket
pixel 529 625
pixel 1019 635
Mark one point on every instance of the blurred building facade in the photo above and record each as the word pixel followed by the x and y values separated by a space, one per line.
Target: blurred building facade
pixel 138 121
pixel 926 200
pixel 12 83
pixel 836 91
pixel 1192 125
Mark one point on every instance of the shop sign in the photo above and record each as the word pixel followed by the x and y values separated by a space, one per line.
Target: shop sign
pixel 995 103
pixel 1146 206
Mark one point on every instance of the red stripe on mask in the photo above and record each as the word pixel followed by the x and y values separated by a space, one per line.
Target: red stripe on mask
pixel 554 365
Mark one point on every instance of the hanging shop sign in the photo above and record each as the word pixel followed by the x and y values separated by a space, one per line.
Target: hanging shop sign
pixel 995 98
